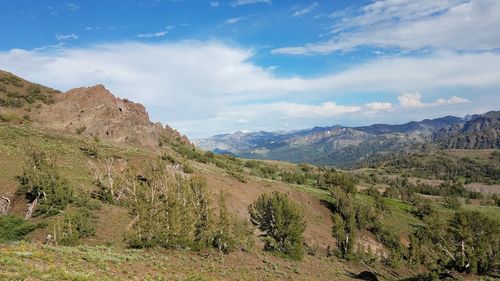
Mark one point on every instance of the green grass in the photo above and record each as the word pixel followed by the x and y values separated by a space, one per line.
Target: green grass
pixel 72 162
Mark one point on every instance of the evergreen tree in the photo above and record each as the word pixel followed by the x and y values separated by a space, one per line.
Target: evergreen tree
pixel 282 222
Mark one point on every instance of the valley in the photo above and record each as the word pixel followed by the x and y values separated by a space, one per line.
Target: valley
pixel 93 188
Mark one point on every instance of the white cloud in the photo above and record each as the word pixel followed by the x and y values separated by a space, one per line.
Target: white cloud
pixel 72 7
pixel 62 37
pixel 153 35
pixel 306 10
pixel 214 4
pixel 451 100
pixel 248 2
pixel 298 110
pixel 203 87
pixel 470 25
pixel 414 100
pixel 411 100
pixel 378 106
pixel 233 20
pixel 301 12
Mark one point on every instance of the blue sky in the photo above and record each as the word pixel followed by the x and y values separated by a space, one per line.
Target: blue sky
pixel 209 67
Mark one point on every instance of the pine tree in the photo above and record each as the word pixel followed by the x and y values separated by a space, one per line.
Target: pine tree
pixel 282 222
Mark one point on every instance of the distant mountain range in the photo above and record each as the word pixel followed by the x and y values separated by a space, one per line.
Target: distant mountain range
pixel 345 146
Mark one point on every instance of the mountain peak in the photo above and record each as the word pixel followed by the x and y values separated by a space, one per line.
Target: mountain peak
pixel 95 111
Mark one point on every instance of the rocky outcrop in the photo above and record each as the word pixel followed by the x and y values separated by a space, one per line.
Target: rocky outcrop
pixel 94 111
pixel 478 132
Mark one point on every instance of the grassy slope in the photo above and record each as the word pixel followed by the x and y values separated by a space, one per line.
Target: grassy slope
pixel 23 260
pixel 91 262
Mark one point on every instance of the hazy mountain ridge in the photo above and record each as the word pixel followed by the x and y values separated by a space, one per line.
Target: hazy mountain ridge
pixel 477 132
pixel 345 146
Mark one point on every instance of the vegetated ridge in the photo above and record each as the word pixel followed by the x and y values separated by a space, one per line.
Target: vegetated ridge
pixel 95 191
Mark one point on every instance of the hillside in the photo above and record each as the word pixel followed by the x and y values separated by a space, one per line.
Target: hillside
pixel 89 111
pixel 96 191
pixel 334 146
pixel 478 132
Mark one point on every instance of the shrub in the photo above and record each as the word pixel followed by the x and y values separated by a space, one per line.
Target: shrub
pixel 73 226
pixel 282 221
pixel 252 164
pixel 331 179
pixel 187 168
pixel 179 218
pixel 452 202
pixel 423 208
pixel 14 228
pixel 80 130
pixel 231 232
pixel 47 192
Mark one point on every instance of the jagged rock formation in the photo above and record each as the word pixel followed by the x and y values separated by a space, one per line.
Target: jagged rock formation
pixel 478 132
pixel 89 111
pixel 94 111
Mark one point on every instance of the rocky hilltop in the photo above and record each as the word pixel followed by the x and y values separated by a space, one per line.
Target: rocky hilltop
pixel 480 131
pixel 89 111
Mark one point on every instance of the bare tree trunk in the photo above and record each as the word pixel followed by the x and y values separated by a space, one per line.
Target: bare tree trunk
pixel 4 206
pixel 32 207
pixel 134 221
pixel 109 169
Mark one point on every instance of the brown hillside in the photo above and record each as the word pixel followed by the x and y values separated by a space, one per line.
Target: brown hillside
pixel 90 111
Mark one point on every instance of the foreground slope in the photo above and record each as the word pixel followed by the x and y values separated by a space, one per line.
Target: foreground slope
pixel 90 151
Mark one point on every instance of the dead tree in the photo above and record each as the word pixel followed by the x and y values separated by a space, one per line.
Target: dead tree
pixel 4 205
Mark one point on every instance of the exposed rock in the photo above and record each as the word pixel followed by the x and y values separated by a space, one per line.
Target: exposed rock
pixel 94 111
pixel 478 132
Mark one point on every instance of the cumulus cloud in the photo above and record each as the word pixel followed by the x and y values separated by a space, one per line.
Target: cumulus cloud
pixel 62 37
pixel 379 105
pixel 206 86
pixel 464 25
pixel 301 12
pixel 411 100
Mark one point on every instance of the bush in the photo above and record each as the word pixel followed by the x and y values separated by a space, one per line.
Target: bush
pixel 13 228
pixel 173 212
pixel 45 190
pixel 283 223
pixel 331 179
pixel 73 226
pixel 187 168
pixel 231 232
pixel 452 202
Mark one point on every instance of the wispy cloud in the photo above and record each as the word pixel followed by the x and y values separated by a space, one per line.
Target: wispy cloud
pixel 214 4
pixel 237 3
pixel 462 25
pixel 301 12
pixel 234 20
pixel 57 10
pixel 153 35
pixel 72 7
pixel 62 37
